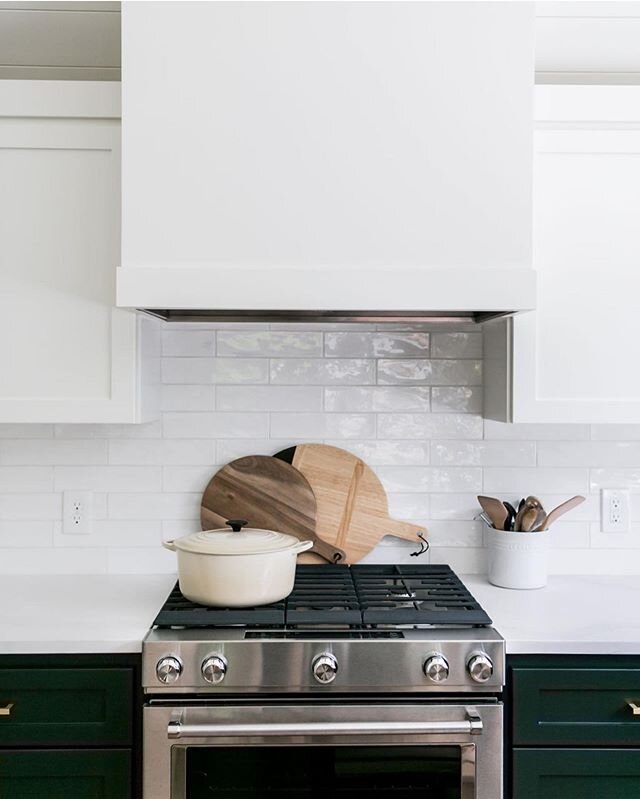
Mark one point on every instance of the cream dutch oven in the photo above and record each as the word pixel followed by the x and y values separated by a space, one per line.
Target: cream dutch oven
pixel 237 568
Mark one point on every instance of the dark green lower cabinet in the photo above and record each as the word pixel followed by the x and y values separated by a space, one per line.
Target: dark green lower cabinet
pixel 65 774
pixel 576 774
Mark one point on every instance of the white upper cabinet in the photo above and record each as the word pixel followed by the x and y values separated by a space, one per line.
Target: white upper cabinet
pixel 66 353
pixel 575 359
pixel 336 156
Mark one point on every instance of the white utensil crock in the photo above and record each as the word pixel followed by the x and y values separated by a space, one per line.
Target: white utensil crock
pixel 229 569
pixel 518 560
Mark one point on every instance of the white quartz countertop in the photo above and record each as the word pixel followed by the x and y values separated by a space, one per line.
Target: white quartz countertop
pixel 58 614
pixel 576 614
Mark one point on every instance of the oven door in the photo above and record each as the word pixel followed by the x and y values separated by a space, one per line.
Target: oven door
pixel 439 751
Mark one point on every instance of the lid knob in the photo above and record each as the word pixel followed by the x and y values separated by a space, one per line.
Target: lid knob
pixel 237 524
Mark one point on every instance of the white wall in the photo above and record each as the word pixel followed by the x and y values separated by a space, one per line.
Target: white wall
pixel 408 401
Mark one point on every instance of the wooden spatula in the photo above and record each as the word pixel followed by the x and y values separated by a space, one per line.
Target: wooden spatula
pixel 556 513
pixel 352 506
pixel 495 510
pixel 269 493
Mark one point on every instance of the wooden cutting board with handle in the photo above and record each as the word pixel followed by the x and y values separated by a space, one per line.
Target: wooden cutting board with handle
pixel 268 493
pixel 352 506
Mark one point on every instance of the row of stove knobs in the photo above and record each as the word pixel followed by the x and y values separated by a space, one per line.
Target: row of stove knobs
pixel 479 666
pixel 325 668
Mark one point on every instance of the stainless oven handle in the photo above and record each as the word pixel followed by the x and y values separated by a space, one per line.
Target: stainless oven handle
pixel 472 725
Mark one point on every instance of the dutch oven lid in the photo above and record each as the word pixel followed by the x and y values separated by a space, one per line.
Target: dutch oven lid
pixel 236 541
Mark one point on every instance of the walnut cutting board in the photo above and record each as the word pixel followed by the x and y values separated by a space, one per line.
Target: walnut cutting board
pixel 268 493
pixel 352 506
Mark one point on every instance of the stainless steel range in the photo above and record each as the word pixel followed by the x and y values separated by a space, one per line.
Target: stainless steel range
pixel 366 680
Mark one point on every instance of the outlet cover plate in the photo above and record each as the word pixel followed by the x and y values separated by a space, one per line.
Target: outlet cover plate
pixel 77 512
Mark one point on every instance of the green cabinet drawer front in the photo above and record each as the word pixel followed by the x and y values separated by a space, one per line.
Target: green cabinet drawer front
pixel 568 707
pixel 61 707
pixel 576 774
pixel 64 774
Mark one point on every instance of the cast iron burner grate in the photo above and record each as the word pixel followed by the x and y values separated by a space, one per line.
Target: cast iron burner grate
pixel 353 596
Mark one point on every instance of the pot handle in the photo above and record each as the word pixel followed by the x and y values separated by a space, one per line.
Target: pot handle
pixel 303 546
pixel 170 545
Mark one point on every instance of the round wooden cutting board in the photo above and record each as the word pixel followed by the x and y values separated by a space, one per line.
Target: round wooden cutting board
pixel 352 506
pixel 268 493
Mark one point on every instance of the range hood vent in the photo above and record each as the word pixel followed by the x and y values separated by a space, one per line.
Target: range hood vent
pixel 341 161
pixel 342 317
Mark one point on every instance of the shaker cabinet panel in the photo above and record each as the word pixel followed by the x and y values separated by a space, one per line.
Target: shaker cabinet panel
pixel 66 353
pixel 576 774
pixel 569 360
pixel 60 707
pixel 571 707
pixel 65 774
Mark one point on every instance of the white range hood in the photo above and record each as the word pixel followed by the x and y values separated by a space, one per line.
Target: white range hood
pixel 313 159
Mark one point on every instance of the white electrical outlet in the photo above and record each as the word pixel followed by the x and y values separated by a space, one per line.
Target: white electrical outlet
pixel 77 513
pixel 615 510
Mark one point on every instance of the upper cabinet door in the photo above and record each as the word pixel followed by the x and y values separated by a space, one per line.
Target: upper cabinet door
pixel 336 156
pixel 66 354
pixel 575 358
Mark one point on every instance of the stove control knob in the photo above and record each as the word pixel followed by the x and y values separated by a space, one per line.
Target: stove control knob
pixel 480 667
pixel 325 668
pixel 436 668
pixel 214 669
pixel 168 669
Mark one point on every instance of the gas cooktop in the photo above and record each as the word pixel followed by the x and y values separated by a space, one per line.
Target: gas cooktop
pixel 346 597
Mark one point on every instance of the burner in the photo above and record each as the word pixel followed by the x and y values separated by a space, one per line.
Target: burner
pixel 346 596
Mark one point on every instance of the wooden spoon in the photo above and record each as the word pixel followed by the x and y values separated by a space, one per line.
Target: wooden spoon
pixel 556 513
pixel 531 513
pixel 495 510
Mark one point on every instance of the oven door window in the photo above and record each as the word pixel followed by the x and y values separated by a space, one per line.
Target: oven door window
pixel 433 772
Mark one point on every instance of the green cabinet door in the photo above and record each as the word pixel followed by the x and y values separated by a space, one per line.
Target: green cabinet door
pixel 66 707
pixel 65 774
pixel 576 774
pixel 575 706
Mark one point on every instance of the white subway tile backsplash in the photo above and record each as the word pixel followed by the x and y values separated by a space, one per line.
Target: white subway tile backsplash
pixel 269 398
pixel 26 431
pixel 406 398
pixel 186 478
pixel 87 431
pixel 615 432
pixel 26 478
pixel 536 432
pixel 430 372
pixel 164 451
pixel 386 453
pixel 425 478
pixel 483 453
pixel 25 534
pixel 614 454
pixel 190 343
pixel 500 481
pixel 129 506
pixel 456 399
pixel 323 371
pixel 615 478
pixel 426 425
pixel 216 425
pixel 376 398
pixel 456 345
pixel 376 345
pixel 270 344
pixel 323 425
pixel 30 507
pixel 50 452
pixel 187 398
pixel 107 478
pixel 215 370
